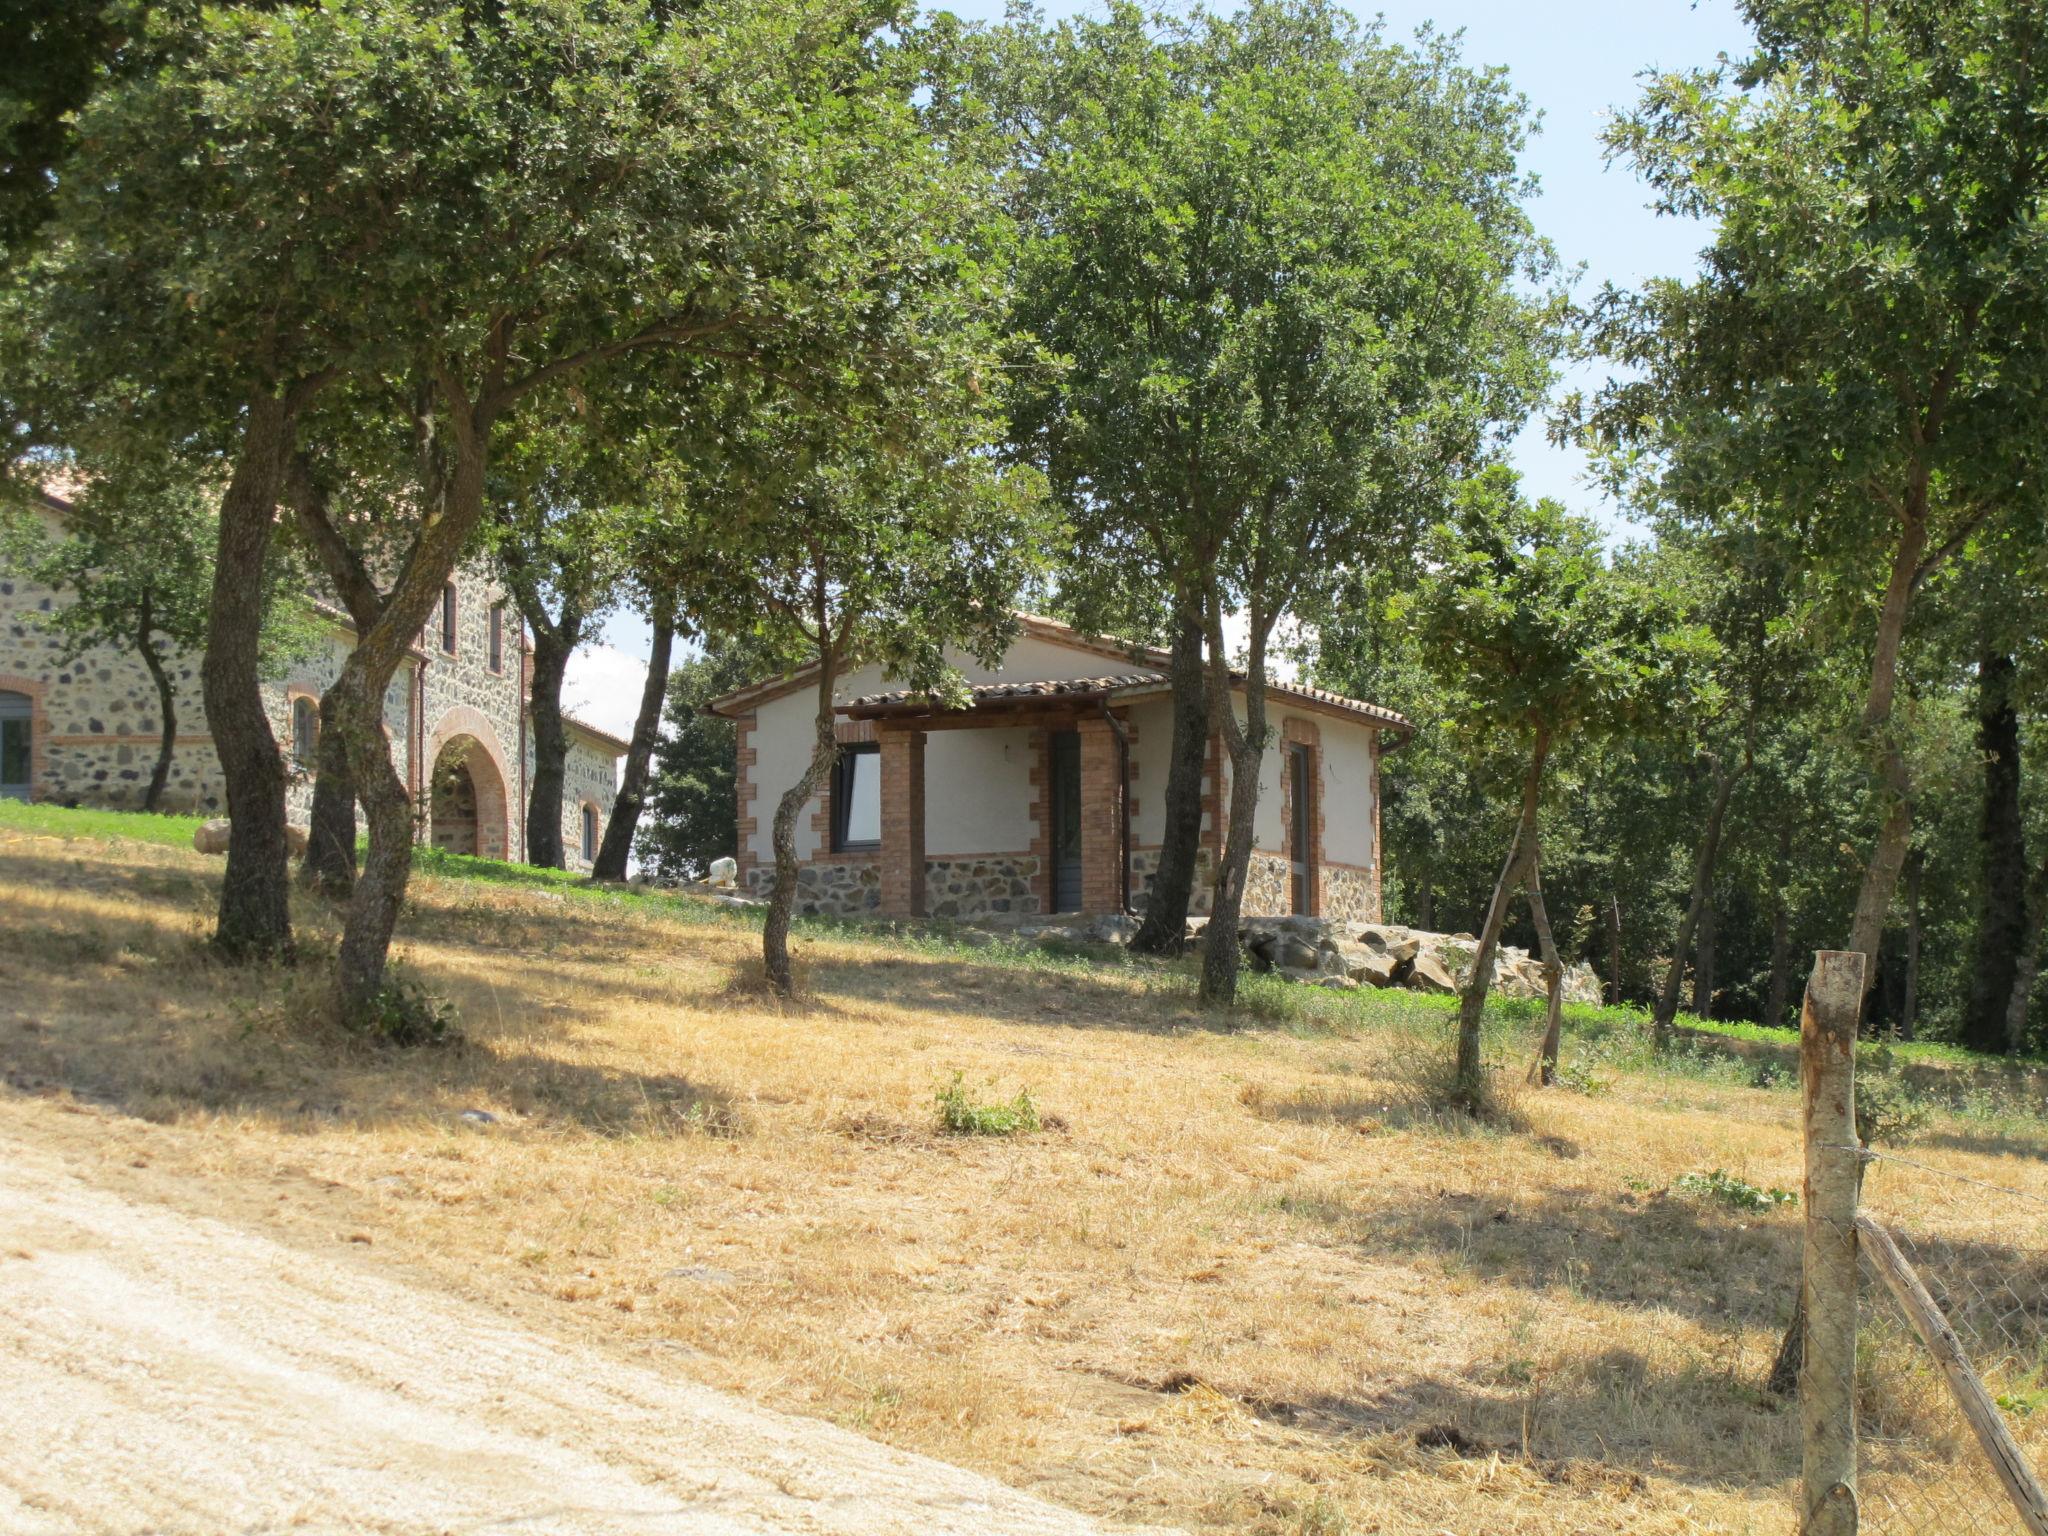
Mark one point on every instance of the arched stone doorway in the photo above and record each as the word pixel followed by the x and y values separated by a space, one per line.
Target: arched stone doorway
pixel 466 800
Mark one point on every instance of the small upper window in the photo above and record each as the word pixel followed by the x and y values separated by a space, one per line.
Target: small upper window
pixel 497 637
pixel 857 798
pixel 589 834
pixel 448 618
pixel 305 732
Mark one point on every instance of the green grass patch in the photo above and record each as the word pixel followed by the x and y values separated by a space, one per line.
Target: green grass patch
pixel 103 826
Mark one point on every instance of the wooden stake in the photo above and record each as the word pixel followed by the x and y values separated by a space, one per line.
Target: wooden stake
pixel 1834 1175
pixel 1985 1421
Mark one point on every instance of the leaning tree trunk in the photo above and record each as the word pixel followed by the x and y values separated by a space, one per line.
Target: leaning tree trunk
pixel 167 708
pixel 1469 1089
pixel 1164 930
pixel 1614 948
pixel 632 795
pixel 329 866
pixel 782 895
pixel 1245 745
pixel 359 693
pixel 2001 857
pixel 1553 974
pixel 1780 995
pixel 255 894
pixel 552 645
pixel 1697 904
pixel 379 891
pixel 1888 858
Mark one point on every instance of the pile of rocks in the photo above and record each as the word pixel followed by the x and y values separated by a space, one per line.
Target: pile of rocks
pixel 1315 950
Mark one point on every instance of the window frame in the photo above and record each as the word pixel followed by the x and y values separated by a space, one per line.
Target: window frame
pixel 589 833
pixel 494 658
pixel 25 714
pixel 448 618
pixel 843 775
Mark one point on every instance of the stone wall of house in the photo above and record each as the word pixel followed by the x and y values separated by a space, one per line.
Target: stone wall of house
pixel 1350 895
pixel 998 885
pixel 96 720
pixel 590 777
pixel 1145 865
pixel 1268 886
pixel 465 680
pixel 827 888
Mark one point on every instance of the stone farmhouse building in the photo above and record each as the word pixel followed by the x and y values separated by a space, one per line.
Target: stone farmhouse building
pixel 1046 793
pixel 87 731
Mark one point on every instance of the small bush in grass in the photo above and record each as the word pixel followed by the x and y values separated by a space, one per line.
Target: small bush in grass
pixel 405 1013
pixel 1731 1191
pixel 960 1114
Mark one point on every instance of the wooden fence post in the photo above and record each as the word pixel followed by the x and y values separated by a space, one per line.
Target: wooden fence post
pixel 1834 1175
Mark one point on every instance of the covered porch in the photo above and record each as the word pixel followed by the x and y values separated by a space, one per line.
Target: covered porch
pixel 1075 779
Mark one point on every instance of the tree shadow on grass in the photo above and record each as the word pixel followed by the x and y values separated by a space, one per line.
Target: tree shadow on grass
pixel 253 1042
pixel 1141 1002
pixel 1601 1424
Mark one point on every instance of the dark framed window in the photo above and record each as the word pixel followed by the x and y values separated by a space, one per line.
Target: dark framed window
pixel 857 798
pixel 448 618
pixel 589 834
pixel 17 731
pixel 305 732
pixel 497 637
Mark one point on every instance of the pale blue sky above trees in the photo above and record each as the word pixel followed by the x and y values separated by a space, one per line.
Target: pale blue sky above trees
pixel 1577 62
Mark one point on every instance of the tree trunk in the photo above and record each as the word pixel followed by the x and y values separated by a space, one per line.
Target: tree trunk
pixel 1244 745
pixel 359 693
pixel 1780 994
pixel 255 894
pixel 167 707
pixel 1703 963
pixel 632 795
pixel 782 895
pixel 329 866
pixel 1888 857
pixel 1699 903
pixel 2001 855
pixel 552 646
pixel 1553 976
pixel 1909 999
pixel 352 707
pixel 2029 961
pixel 1164 929
pixel 1614 949
pixel 1425 905
pixel 1469 1090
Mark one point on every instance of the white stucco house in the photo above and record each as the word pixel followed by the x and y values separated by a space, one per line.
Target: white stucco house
pixel 1045 794
pixel 85 731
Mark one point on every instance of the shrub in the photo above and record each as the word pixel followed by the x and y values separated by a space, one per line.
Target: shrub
pixel 1731 1191
pixel 960 1114
pixel 404 1013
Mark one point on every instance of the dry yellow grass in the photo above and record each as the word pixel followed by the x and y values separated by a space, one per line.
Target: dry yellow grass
pixel 1235 1289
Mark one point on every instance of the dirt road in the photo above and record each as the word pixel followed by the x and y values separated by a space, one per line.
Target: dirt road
pixel 167 1373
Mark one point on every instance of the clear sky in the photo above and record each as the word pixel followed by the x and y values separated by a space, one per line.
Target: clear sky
pixel 1576 61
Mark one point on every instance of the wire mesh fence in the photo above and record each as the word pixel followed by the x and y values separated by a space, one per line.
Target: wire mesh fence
pixel 1980 1253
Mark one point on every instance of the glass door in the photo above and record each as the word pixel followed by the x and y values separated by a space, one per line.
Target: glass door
pixel 1065 750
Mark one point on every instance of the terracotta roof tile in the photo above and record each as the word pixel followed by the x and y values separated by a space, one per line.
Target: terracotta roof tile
pixel 996 693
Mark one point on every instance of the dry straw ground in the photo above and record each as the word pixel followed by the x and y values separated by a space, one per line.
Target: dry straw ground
pixel 1243 1281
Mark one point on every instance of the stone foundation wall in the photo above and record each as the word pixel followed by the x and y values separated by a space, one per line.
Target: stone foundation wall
pixel 1350 895
pixel 980 887
pixel 1268 886
pixel 841 888
pixel 1145 865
